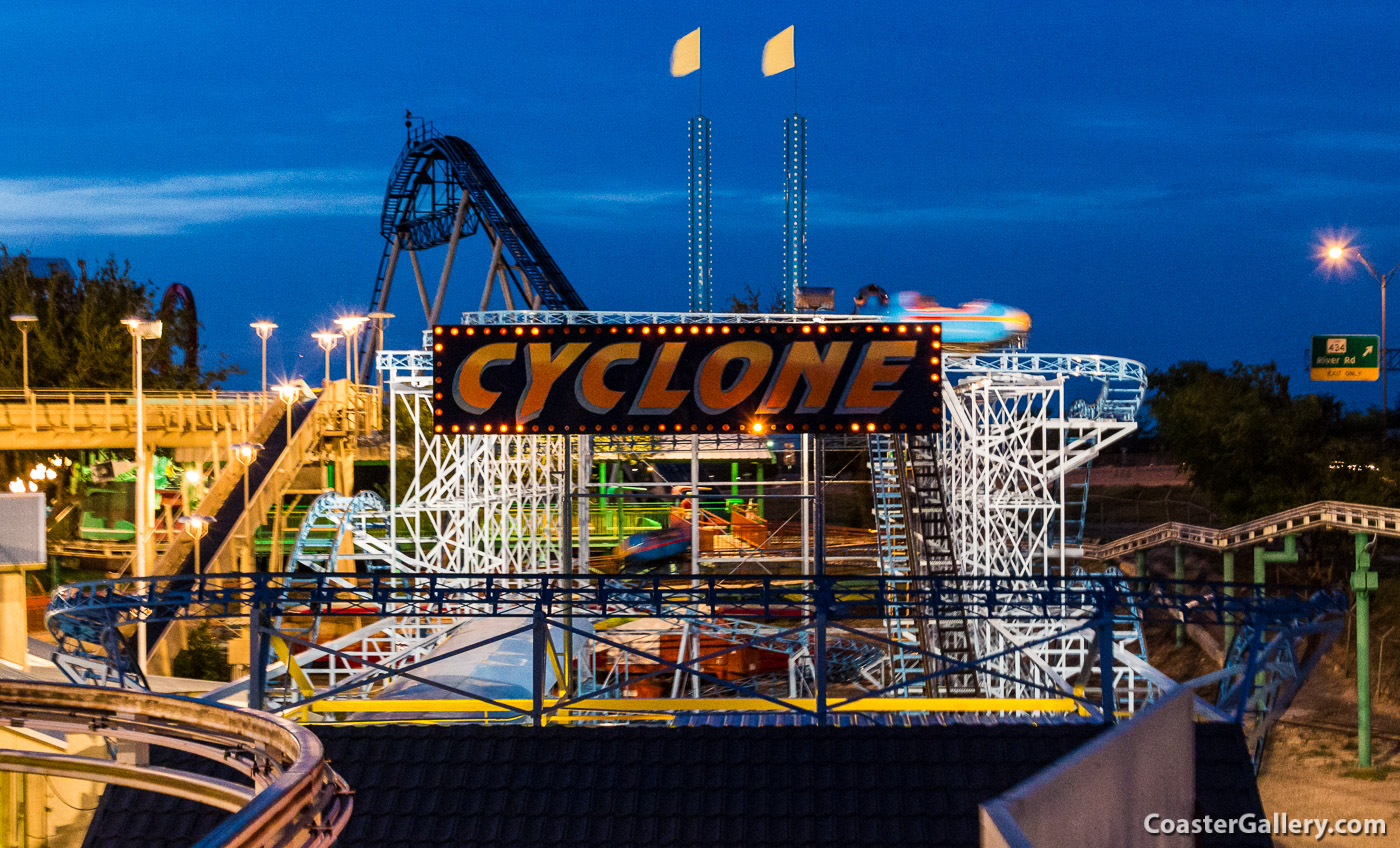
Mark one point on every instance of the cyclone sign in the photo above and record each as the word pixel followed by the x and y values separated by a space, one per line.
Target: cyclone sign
pixel 687 378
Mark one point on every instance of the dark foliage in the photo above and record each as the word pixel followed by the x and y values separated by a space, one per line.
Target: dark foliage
pixel 1255 449
pixel 79 341
pixel 202 658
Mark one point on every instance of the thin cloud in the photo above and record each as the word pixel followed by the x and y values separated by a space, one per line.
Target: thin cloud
pixel 165 205
pixel 837 209
pixel 1010 207
pixel 590 198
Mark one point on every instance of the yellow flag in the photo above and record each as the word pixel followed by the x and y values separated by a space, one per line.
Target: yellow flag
pixel 777 53
pixel 685 56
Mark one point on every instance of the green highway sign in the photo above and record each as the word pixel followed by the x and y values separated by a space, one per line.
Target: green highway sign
pixel 1345 358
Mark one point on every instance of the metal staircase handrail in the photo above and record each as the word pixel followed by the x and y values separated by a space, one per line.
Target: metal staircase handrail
pixel 224 484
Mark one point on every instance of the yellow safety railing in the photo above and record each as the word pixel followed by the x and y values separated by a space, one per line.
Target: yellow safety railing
pixel 630 707
pixel 54 419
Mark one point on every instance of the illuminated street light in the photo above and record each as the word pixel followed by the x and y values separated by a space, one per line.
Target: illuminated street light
pixel 195 526
pixel 350 326
pixel 140 330
pixel 24 321
pixel 288 393
pixel 264 330
pixel 246 453
pixel 193 479
pixel 327 341
pixel 1337 253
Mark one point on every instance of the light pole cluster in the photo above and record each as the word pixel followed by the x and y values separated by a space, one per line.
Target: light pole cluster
pixel 350 328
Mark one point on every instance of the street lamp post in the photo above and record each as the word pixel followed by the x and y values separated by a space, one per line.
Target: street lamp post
pixel 327 341
pixel 24 321
pixel 195 526
pixel 246 453
pixel 350 326
pixel 140 330
pixel 379 318
pixel 1340 253
pixel 264 330
pixel 288 393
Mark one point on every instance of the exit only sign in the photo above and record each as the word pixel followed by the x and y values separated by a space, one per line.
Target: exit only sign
pixel 1346 358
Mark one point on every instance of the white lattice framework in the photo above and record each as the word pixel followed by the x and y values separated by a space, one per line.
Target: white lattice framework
pixel 481 503
pixel 474 504
pixel 1007 444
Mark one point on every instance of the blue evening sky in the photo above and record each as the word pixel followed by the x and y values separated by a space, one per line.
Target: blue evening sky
pixel 1146 179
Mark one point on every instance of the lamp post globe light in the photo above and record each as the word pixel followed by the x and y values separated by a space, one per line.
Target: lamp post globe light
pixel 1339 254
pixel 24 321
pixel 246 453
pixel 350 326
pixel 264 330
pixel 326 340
pixel 196 527
pixel 140 330
pixel 288 393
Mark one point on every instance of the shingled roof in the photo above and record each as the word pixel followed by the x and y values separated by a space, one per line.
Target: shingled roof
pixel 458 785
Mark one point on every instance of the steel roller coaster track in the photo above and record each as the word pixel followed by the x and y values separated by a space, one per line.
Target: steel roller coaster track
pixel 441 190
pixel 1283 622
pixel 291 797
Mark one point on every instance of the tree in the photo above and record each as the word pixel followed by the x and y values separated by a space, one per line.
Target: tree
pixel 79 341
pixel 202 658
pixel 1254 449
pixel 749 303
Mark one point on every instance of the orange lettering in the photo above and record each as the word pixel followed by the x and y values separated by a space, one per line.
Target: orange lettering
pixel 710 393
pixel 879 365
pixel 820 371
pixel 655 397
pixel 591 388
pixel 471 396
pixel 541 371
